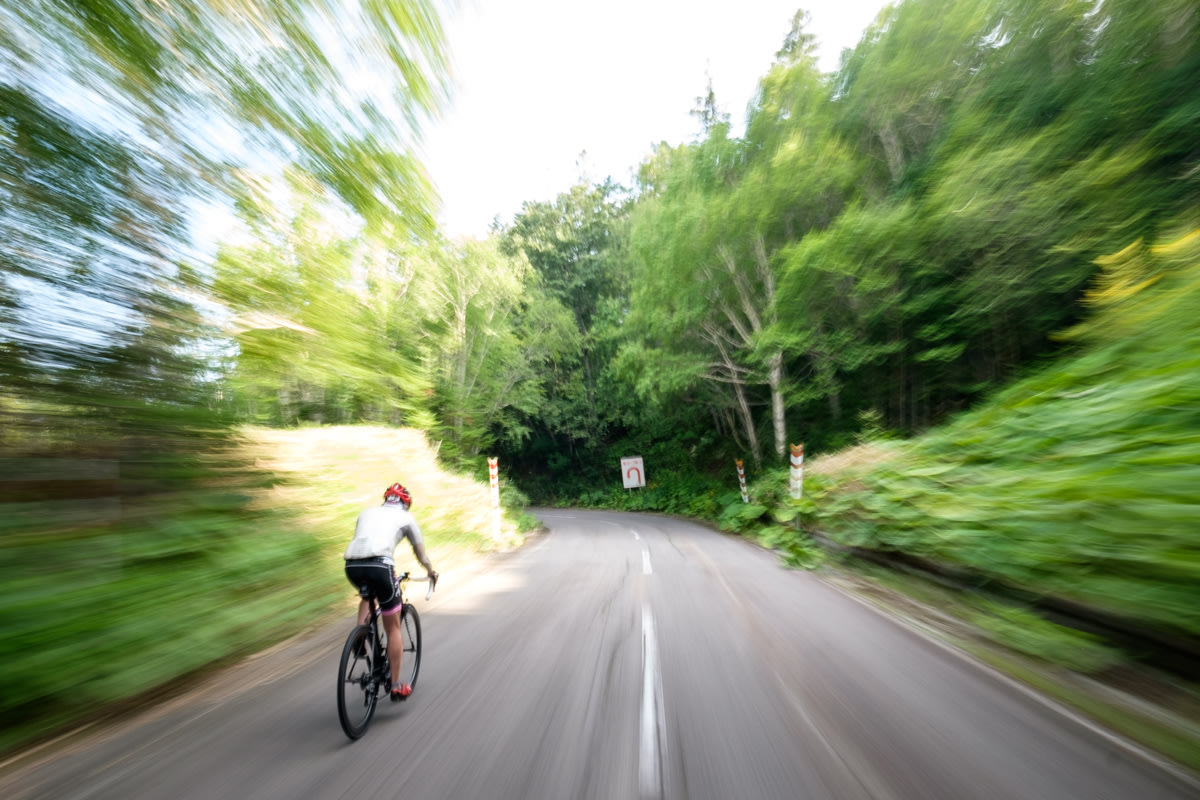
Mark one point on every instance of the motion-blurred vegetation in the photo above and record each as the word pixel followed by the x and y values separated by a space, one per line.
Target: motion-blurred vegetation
pixel 132 547
pixel 1077 482
pixel 978 221
pixel 108 594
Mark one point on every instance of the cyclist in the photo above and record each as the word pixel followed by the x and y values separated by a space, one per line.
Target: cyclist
pixel 370 562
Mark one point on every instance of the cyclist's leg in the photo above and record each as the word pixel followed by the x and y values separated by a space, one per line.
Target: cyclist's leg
pixel 395 643
pixel 390 608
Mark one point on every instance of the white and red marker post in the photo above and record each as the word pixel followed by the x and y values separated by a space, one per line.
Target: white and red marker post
pixel 494 477
pixel 742 481
pixel 796 484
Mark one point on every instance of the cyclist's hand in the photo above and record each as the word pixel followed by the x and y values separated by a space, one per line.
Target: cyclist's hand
pixel 433 577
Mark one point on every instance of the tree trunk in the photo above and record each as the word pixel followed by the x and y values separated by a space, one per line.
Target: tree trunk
pixel 748 423
pixel 775 379
pixel 732 374
pixel 892 149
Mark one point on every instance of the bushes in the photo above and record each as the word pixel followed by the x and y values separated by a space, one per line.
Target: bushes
pixel 687 494
pixel 773 519
pixel 1026 632
pixel 1079 481
pixel 93 614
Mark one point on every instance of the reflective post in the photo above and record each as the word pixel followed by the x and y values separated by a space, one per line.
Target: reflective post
pixel 494 476
pixel 796 485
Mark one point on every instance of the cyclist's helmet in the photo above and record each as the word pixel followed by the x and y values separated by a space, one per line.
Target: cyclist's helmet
pixel 397 494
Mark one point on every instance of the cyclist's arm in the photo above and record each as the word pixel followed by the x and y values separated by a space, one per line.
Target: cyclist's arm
pixel 413 532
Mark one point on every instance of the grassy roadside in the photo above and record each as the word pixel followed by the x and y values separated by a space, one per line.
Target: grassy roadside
pixel 328 475
pixel 1078 482
pixel 223 560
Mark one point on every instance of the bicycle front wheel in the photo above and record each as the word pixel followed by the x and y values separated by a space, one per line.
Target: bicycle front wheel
pixel 410 635
pixel 356 691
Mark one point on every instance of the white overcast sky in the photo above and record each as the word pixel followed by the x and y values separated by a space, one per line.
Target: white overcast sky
pixel 540 81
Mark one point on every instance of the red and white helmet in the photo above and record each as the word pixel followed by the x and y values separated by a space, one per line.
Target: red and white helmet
pixel 397 494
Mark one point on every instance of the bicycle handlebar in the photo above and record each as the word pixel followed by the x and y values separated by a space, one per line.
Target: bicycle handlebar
pixel 431 579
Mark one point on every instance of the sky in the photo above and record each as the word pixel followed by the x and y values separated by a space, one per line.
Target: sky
pixel 538 82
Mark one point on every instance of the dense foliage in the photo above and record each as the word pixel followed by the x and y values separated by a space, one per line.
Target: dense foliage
pixel 897 240
pixel 890 242
pixel 1077 482
pixel 910 232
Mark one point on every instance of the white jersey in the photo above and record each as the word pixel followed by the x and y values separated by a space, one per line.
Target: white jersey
pixel 380 529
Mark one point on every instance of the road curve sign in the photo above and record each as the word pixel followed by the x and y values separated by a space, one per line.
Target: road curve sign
pixel 633 473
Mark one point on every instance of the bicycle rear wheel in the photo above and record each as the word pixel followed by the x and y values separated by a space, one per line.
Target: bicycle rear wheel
pixel 410 635
pixel 356 691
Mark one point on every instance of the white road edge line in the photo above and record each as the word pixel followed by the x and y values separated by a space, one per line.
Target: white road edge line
pixel 1119 742
pixel 649 766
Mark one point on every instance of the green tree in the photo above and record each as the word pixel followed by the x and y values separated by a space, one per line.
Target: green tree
pixel 491 336
pixel 158 102
pixel 709 230
pixel 319 320
pixel 577 246
pixel 699 294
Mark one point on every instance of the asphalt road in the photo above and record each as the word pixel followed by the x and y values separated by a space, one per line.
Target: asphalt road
pixel 618 656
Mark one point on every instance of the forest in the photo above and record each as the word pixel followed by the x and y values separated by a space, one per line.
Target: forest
pixel 988 205
pixel 884 246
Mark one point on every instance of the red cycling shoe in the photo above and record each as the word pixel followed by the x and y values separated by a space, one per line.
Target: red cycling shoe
pixel 401 693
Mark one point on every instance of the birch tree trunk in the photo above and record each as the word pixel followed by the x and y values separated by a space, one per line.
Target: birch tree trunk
pixel 727 370
pixel 775 358
pixel 753 310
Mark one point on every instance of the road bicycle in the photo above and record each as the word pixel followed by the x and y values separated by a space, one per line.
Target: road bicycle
pixel 365 674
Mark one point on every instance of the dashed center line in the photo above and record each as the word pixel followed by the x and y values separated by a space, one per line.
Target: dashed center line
pixel 650 758
pixel 646 568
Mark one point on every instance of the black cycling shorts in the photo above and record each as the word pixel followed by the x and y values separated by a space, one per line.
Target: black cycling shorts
pixel 380 578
